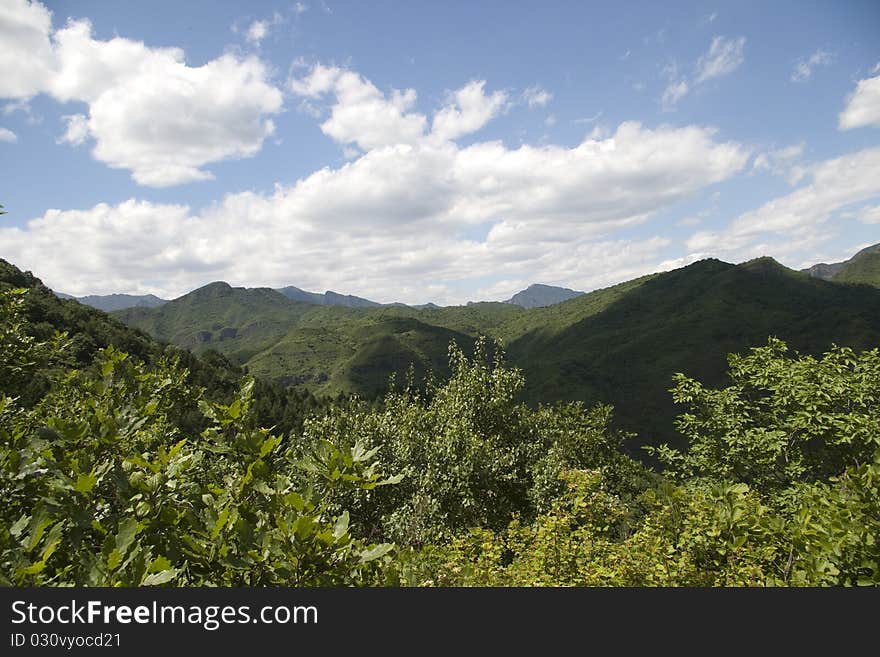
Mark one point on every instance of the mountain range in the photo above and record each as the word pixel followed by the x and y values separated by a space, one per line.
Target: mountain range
pixel 534 296
pixel 111 302
pixel 619 345
pixel 863 267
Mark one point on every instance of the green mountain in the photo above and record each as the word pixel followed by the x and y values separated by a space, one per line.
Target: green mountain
pixel 619 345
pixel 687 320
pixel 90 329
pixel 537 296
pixel 236 321
pixel 863 267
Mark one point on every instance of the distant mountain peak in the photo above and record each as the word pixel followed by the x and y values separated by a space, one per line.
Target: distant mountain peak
pixel 329 298
pixel 110 302
pixel 538 295
pixel 863 267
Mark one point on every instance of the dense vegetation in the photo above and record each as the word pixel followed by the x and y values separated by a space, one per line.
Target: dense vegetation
pixel 122 469
pixel 615 346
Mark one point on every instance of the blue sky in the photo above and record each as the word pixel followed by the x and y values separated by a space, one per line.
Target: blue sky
pixel 431 151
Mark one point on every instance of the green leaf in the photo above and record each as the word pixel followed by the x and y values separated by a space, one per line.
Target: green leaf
pixel 162 577
pixel 128 529
pixel 341 525
pixel 19 526
pixel 35 568
pixel 85 483
pixel 114 559
pixel 159 564
pixel 221 522
pixel 375 552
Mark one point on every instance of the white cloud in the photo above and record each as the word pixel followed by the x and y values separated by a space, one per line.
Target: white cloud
pixel 27 60
pixel 782 162
pixel 259 30
pixel 674 92
pixel 798 220
pixel 724 57
pixel 361 113
pixel 8 136
pixel 470 108
pixel 536 96
pixel 870 215
pixel 77 129
pixel 149 112
pixel 300 8
pixel 803 68
pixel 401 210
pixel 862 106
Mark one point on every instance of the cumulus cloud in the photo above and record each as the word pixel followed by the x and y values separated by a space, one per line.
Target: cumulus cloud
pixel 803 68
pixel 8 136
pixel 537 97
pixel 469 110
pixel 148 111
pixel 862 106
pixel 361 113
pixel 403 210
pixel 798 220
pixel 723 57
pixel 27 61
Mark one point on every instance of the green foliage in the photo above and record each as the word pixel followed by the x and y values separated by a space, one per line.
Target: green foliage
pixel 615 346
pixel 468 453
pixel 751 508
pixel 864 269
pixel 156 467
pixel 101 487
pixel 782 420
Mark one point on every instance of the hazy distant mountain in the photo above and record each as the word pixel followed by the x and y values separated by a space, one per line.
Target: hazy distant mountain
pixel 111 302
pixel 537 296
pixel 863 267
pixel 329 298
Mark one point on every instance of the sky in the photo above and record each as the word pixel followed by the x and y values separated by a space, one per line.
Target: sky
pixel 431 151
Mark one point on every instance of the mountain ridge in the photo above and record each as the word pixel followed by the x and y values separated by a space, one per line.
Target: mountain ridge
pixel 863 267
pixel 618 345
pixel 538 295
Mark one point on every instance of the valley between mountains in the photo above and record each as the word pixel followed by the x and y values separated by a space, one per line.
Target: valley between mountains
pixel 619 345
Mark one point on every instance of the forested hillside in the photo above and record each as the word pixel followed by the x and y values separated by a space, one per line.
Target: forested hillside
pixel 120 469
pixel 619 345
